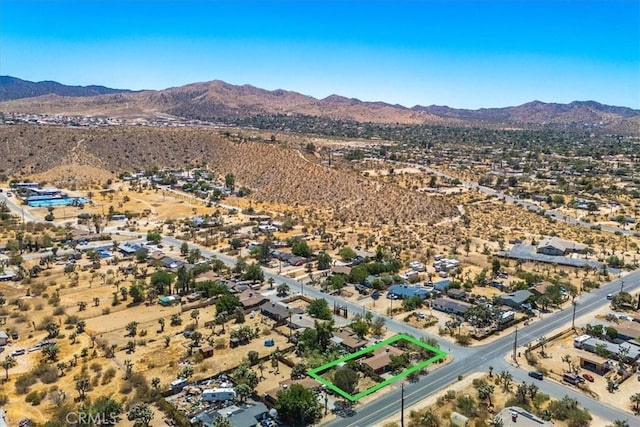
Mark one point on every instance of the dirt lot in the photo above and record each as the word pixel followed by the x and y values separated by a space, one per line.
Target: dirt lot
pixel 552 361
pixel 442 406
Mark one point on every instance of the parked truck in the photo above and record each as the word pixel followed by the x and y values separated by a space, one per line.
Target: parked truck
pixel 218 394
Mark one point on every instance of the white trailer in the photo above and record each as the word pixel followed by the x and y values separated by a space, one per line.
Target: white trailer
pixel 218 394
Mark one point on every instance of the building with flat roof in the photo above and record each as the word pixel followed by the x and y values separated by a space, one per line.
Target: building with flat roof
pixel 557 247
pixel 451 306
pixel 406 291
pixel 514 416
pixel 632 352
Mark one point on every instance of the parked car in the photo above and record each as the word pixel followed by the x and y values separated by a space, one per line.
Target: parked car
pixel 536 374
pixel 609 296
pixel 18 352
pixel 588 377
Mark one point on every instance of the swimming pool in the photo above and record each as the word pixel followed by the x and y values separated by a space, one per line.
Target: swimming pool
pixel 66 201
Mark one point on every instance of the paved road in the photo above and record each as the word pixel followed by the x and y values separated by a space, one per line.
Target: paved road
pixel 15 207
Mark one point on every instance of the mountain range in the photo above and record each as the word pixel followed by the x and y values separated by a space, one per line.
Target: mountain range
pixel 223 102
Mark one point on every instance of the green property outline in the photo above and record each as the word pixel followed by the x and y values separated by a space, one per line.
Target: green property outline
pixel 314 373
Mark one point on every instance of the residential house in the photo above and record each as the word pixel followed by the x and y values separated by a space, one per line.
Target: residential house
pixel 380 359
pixel 341 269
pixel 633 354
pixel 558 247
pixel 279 311
pixel 251 300
pixel 4 338
pixel 302 321
pixel 247 415
pixel 348 339
pixel 442 285
pixel 515 299
pixel 454 293
pixel 406 291
pixel 451 306
pixel 540 288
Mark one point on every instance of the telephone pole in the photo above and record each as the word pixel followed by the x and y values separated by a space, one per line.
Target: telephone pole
pixel 515 344
pixel 402 405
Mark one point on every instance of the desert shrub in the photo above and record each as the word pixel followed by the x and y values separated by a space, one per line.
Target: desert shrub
pixel 4 399
pixel 33 398
pixel 58 311
pixel 539 399
pixel 39 306
pixel 24 382
pixel 220 344
pixel 20 318
pixel 126 388
pixel 108 375
pixel 464 340
pixel 532 359
pixel 48 374
pixel 96 367
pixel 106 311
pixel 38 288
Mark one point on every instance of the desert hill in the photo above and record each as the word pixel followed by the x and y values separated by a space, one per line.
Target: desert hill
pixel 275 173
pixel 223 102
pixel 14 88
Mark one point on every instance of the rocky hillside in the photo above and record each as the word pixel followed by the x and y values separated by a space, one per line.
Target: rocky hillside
pixel 275 173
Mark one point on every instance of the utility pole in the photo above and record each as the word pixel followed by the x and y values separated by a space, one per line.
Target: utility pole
pixel 621 285
pixel 402 405
pixel 515 344
pixel 573 317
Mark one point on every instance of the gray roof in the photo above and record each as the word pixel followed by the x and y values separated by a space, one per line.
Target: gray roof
pixel 634 351
pixel 518 297
pixel 451 305
pixel 3 335
pixel 405 291
pixel 240 416
pixel 271 308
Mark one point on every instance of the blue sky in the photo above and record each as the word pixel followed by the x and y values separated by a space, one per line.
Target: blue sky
pixel 466 54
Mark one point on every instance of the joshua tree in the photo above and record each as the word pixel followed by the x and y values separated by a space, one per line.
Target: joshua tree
pixel 195 315
pixel 567 359
pixel 82 385
pixel 162 322
pixel 8 363
pixel 635 400
pixel 128 369
pixel 543 341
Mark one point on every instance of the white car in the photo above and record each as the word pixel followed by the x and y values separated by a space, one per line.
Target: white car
pixel 18 352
